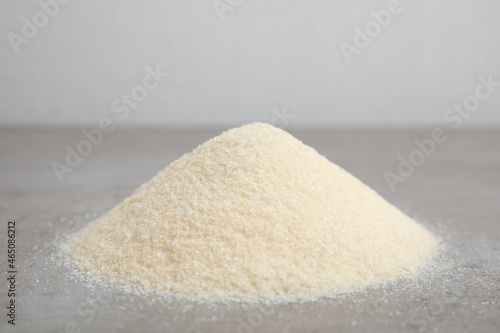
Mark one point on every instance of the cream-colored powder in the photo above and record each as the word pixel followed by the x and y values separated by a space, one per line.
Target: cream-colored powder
pixel 253 213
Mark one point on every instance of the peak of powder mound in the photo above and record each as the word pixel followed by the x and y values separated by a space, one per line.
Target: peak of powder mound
pixel 253 213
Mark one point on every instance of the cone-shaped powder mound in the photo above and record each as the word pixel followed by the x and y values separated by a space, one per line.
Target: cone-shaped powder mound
pixel 253 213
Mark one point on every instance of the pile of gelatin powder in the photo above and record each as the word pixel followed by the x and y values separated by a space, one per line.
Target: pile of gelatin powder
pixel 252 214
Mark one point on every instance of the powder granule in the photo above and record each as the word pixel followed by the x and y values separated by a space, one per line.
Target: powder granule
pixel 253 213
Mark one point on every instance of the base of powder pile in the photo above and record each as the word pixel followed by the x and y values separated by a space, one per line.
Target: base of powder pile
pixel 93 281
pixel 252 214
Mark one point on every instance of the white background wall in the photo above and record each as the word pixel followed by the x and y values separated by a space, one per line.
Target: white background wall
pixel 263 55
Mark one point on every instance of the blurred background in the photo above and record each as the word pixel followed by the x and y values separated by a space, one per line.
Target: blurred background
pixel 97 96
pixel 228 62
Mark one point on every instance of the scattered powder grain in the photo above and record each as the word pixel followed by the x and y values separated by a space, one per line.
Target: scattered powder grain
pixel 252 213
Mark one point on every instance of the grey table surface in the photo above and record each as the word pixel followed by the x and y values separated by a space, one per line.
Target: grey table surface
pixel 455 193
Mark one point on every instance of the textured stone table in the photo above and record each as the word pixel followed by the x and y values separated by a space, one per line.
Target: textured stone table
pixel 455 193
